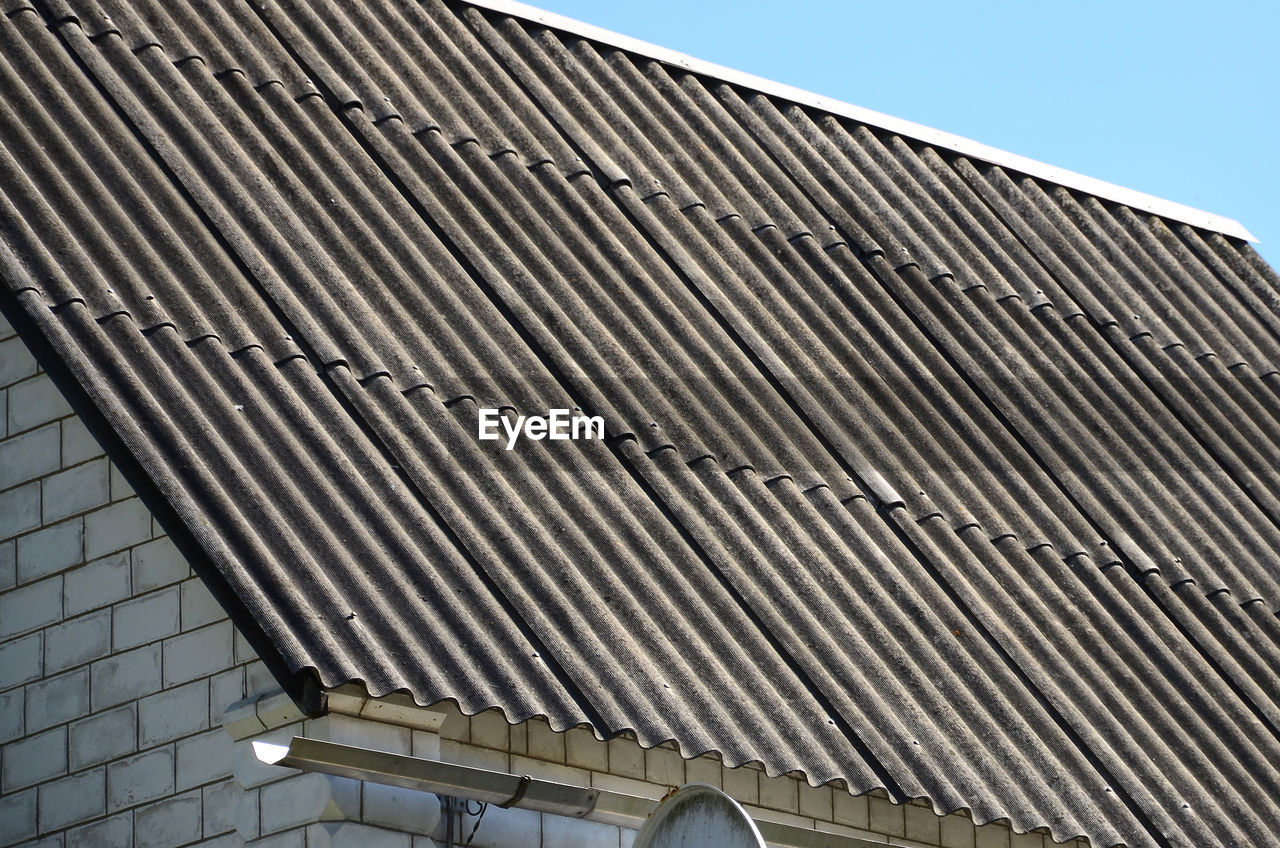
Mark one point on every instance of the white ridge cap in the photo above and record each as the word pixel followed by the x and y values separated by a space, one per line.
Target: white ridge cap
pixel 919 132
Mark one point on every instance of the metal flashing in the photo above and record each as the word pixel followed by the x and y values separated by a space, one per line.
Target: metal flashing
pixel 919 132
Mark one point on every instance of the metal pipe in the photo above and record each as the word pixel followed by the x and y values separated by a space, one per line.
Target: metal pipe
pixel 475 784
pixel 501 789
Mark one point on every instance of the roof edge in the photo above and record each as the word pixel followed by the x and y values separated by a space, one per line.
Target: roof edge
pixel 919 132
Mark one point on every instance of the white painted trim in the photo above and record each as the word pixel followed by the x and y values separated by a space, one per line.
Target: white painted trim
pixel 918 132
pixel 351 699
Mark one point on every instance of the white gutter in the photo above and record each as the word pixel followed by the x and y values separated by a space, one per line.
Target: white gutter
pixel 506 790
pixel 919 132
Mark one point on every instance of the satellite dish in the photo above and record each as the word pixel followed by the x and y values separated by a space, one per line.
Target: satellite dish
pixel 699 816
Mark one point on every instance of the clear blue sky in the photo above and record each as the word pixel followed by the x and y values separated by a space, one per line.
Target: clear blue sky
pixel 1176 99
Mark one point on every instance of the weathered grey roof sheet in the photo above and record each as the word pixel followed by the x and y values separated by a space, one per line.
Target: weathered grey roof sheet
pixel 921 474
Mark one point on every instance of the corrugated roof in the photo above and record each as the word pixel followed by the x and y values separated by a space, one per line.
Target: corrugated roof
pixel 922 474
pixel 909 129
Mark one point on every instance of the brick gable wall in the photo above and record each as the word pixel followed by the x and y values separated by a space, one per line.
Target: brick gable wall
pixel 115 661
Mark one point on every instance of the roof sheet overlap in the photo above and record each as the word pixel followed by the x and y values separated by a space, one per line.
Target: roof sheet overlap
pixel 921 474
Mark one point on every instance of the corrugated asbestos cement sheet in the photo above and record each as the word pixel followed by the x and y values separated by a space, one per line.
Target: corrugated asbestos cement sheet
pixel 919 474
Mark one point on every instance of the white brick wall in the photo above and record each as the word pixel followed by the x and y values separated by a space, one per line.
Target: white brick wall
pixel 115 662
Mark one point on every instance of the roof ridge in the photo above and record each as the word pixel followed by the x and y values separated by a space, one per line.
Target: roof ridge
pixel 919 132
